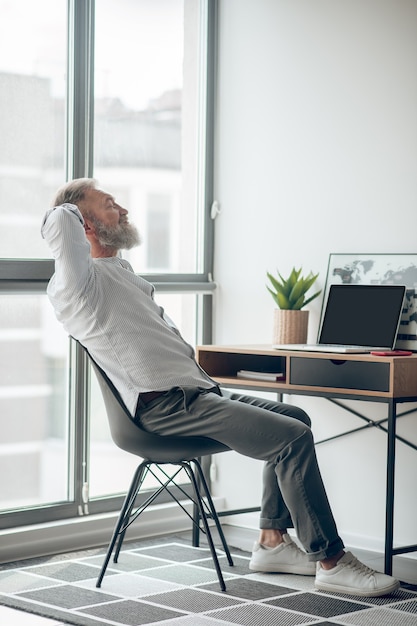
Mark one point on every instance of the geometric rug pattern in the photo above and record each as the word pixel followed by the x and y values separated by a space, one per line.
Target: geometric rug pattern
pixel 170 583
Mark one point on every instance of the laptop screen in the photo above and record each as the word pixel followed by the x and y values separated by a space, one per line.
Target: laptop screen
pixel 362 315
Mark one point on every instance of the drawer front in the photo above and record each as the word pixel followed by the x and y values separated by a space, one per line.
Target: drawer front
pixel 339 373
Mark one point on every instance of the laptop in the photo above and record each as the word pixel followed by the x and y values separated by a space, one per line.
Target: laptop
pixel 358 318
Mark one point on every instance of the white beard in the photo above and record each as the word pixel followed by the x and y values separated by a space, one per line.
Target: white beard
pixel 124 236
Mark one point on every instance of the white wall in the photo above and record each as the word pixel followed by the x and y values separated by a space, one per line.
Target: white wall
pixel 316 152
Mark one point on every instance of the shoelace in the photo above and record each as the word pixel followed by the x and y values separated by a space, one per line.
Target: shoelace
pixel 295 547
pixel 360 567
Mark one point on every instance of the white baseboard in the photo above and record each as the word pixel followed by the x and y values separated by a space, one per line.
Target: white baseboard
pixel 246 531
pixel 243 537
pixel 90 531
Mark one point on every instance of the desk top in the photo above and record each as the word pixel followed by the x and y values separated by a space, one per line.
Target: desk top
pixel 267 349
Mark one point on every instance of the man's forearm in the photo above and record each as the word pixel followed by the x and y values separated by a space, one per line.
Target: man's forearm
pixel 63 230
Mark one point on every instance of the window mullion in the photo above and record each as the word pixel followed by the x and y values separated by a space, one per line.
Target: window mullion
pixel 80 426
pixel 80 130
pixel 80 96
pixel 208 160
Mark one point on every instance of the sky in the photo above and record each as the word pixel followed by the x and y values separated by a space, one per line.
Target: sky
pixel 136 47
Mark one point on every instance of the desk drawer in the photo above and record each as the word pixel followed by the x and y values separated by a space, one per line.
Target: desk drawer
pixel 339 373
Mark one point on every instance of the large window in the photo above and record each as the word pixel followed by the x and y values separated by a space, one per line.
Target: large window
pixel 118 91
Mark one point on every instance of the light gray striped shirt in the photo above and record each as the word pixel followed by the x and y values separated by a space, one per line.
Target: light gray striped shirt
pixel 112 312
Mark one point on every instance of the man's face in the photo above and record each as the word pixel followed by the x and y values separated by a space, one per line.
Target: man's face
pixel 103 207
pixel 107 221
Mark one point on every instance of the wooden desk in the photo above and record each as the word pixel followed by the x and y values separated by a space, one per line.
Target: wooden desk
pixel 390 380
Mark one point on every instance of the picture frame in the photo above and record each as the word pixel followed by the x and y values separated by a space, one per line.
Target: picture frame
pixel 379 269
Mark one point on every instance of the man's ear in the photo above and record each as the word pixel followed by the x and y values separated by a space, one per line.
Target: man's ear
pixel 88 227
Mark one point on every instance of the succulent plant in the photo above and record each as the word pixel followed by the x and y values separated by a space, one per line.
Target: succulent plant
pixel 290 293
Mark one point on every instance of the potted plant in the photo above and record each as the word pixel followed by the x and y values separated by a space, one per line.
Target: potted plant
pixel 290 296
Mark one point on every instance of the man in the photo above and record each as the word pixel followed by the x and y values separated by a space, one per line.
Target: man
pixel 112 312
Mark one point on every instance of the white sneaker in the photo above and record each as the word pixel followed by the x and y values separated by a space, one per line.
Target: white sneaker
pixel 286 558
pixel 352 577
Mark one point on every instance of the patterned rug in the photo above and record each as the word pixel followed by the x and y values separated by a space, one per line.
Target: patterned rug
pixel 170 583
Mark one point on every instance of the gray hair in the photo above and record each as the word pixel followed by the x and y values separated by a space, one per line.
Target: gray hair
pixel 73 191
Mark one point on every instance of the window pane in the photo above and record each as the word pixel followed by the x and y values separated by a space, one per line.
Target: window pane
pixel 146 124
pixel 32 103
pixel 105 456
pixel 34 444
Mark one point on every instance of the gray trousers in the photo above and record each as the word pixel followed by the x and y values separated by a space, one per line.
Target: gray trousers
pixel 278 434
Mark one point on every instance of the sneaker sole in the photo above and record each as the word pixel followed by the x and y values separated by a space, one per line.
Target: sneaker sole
pixel 271 569
pixel 363 593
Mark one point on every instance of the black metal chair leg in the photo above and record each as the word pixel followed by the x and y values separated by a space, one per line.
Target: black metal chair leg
pixel 196 526
pixel 127 506
pixel 191 475
pixel 212 508
pixel 139 482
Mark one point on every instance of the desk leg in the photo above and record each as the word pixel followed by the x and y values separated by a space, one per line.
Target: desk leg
pixel 389 520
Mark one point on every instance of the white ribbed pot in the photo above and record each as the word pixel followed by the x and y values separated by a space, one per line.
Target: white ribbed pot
pixel 290 326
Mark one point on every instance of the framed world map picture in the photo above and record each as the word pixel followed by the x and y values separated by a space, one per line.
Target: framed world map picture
pixel 379 269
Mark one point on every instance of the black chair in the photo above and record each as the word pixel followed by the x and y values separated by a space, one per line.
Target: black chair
pixel 157 451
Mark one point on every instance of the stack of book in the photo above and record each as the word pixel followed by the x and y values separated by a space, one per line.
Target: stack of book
pixel 266 376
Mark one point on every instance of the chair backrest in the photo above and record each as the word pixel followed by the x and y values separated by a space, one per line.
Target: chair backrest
pixel 129 436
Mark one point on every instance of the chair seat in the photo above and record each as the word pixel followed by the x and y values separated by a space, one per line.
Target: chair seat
pixel 131 437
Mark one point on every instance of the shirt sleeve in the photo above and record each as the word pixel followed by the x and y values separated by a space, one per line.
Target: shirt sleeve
pixel 63 230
